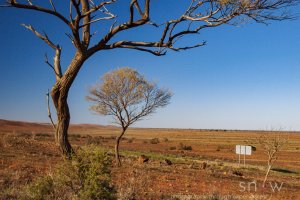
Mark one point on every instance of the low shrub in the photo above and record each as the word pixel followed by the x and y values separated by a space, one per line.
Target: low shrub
pixel 112 137
pixel 93 140
pixel 154 141
pixel 43 135
pixel 75 135
pixel 172 148
pixel 135 186
pixel 86 176
pixel 184 147
pixel 40 188
pixel 237 173
pixel 130 140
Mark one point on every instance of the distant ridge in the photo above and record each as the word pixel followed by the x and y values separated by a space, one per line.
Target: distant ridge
pixel 11 125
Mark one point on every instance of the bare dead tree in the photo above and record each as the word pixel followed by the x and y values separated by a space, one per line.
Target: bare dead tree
pixel 272 143
pixel 81 15
pixel 128 97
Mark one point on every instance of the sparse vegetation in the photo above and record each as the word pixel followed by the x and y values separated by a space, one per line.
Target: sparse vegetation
pixel 237 173
pixel 86 176
pixel 172 148
pixel 130 140
pixel 154 179
pixel 154 141
pixel 93 140
pixel 182 146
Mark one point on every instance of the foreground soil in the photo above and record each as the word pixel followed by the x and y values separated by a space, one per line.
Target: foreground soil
pixel 27 151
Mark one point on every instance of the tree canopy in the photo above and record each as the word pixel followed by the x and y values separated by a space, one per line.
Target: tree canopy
pixel 127 96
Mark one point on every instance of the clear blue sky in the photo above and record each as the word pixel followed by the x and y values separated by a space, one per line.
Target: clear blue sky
pixel 246 77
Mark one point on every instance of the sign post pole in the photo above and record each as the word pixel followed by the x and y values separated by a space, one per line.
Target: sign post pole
pixel 240 156
pixel 245 156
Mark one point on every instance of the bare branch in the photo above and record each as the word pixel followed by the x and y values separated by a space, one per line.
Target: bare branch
pixel 71 11
pixel 131 11
pixel 57 66
pixel 42 37
pixel 156 53
pixel 70 37
pixel 128 25
pixel 49 111
pixel 112 26
pixel 53 6
pixel 86 36
pixel 96 20
pixel 138 8
pixel 98 7
pixel 14 3
pixel 48 63
pixel 76 6
pixel 30 3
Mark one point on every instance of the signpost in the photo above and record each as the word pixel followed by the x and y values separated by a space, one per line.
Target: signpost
pixel 243 150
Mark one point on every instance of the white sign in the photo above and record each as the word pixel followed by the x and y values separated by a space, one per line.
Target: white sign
pixel 248 150
pixel 243 150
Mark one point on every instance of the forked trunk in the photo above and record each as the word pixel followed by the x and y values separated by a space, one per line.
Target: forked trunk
pixel 59 95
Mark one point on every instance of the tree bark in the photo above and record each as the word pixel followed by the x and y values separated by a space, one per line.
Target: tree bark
pixel 63 121
pixel 59 95
pixel 118 161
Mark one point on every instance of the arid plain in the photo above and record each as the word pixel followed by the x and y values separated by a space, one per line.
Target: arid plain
pixel 203 163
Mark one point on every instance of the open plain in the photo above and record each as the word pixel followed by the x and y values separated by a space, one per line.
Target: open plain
pixel 203 163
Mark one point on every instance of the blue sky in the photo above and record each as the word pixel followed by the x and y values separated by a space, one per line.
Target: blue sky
pixel 246 77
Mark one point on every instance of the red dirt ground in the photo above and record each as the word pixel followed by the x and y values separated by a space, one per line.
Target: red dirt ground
pixel 27 151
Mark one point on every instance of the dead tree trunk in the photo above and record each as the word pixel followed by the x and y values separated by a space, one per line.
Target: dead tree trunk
pixel 59 95
pixel 63 120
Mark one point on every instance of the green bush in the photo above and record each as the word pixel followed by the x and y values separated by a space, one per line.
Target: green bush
pixel 40 188
pixel 86 176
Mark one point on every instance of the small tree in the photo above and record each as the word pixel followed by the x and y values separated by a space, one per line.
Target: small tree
pixel 128 97
pixel 272 143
